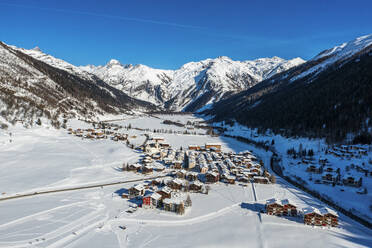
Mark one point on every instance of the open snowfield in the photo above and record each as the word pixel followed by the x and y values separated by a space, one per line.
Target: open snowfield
pixel 41 158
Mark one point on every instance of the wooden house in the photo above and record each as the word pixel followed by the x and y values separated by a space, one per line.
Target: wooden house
pixel 181 174
pixel 230 179
pixel 196 186
pixel 212 177
pixel 194 147
pixel 165 192
pixel 312 216
pixel 350 180
pixel 273 207
pixel 330 217
pixel 156 199
pixel 134 167
pixel 158 139
pixel 330 177
pixel 213 146
pixel 147 169
pixel 262 180
pixel 191 176
pixel 175 184
pixel 136 190
pixel 289 208
pixel 314 169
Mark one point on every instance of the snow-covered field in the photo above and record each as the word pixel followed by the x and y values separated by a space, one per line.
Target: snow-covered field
pixel 41 158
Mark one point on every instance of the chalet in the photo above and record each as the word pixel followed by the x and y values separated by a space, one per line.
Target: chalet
pixel 151 148
pixel 147 169
pixel 134 167
pixel 136 190
pixel 289 208
pixel 196 186
pixel 192 176
pixel 273 207
pixel 262 180
pixel 165 192
pixel 194 147
pixel 158 139
pixel 312 216
pixel 350 180
pixel 156 182
pixel 213 146
pixel 243 179
pixel 230 179
pixel 330 177
pixel 164 145
pixel 181 174
pixel 330 217
pixel 254 170
pixel 212 177
pixel 156 199
pixel 175 184
pixel 314 169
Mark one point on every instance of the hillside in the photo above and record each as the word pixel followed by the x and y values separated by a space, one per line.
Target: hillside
pixel 35 85
pixel 329 96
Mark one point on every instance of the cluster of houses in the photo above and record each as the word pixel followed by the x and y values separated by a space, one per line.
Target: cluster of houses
pixel 348 151
pixel 207 163
pixel 329 175
pixel 167 194
pixel 99 133
pixel 311 216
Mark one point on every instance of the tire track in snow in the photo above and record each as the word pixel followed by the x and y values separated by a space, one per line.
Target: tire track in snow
pixel 194 220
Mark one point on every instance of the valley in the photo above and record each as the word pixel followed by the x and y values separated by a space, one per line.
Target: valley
pixel 76 218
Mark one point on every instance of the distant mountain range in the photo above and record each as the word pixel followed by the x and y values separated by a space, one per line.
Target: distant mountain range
pixel 195 86
pixel 328 96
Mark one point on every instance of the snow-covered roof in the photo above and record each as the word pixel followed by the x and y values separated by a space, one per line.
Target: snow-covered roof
pixel 287 201
pixel 272 201
pixel 139 187
pixel 326 210
pixel 310 210
pixel 156 196
pixel 166 189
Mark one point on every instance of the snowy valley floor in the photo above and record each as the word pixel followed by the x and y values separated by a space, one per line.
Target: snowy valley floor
pixel 228 216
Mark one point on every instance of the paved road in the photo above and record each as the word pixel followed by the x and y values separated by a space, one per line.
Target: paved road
pixel 42 192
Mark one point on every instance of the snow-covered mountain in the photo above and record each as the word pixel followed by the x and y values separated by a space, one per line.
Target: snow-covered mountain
pixel 329 96
pixel 335 54
pixel 34 85
pixel 193 86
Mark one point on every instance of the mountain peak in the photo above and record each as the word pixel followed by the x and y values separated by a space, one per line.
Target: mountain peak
pixel 114 62
pixel 36 49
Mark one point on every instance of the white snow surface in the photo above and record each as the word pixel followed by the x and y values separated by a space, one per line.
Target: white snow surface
pixel 337 53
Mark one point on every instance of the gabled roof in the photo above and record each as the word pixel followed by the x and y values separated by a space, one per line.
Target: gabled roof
pixel 310 210
pixel 272 201
pixel 156 196
pixel 326 210
pixel 287 201
pixel 166 189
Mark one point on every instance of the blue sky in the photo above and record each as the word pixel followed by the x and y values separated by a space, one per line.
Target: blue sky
pixel 167 34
